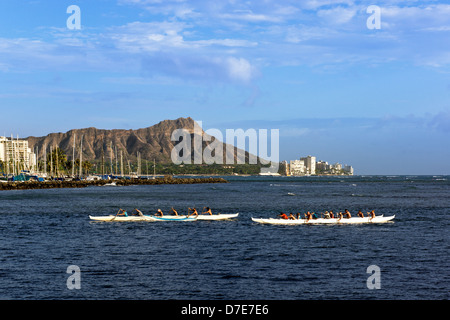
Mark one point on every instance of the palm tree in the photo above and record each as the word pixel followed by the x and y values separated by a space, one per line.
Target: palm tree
pixel 56 160
pixel 87 166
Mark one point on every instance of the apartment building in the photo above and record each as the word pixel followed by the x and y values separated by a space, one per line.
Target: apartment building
pixel 16 155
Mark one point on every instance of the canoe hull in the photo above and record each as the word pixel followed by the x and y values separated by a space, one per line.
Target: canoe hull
pixel 356 220
pixel 173 218
pixel 142 218
pixel 120 218
pixel 217 216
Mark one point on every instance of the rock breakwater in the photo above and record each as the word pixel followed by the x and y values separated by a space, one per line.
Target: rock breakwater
pixel 119 182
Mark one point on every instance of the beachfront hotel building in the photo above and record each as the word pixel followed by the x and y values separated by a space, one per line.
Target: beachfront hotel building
pixel 296 167
pixel 16 155
pixel 309 166
pixel 304 166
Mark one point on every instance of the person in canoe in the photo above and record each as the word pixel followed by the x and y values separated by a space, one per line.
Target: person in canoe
pixel 340 216
pixel 208 210
pixel 159 213
pixel 371 214
pixel 122 213
pixel 138 213
pixel 173 211
pixel 347 214
pixel 331 215
pixel 292 217
pixel 360 214
pixel 194 212
pixel 283 216
pixel 308 216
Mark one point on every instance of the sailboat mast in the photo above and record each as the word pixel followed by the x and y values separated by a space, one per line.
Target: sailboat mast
pixel 73 156
pixel 115 156
pixel 45 160
pixel 51 161
pixel 111 157
pixel 57 162
pixel 121 163
pixel 13 155
pixel 37 159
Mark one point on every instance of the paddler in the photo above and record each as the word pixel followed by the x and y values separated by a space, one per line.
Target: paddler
pixel 308 216
pixel 371 214
pixel 194 212
pixel 360 214
pixel 159 213
pixel 122 213
pixel 291 217
pixel 331 214
pixel 347 214
pixel 283 216
pixel 174 211
pixel 208 210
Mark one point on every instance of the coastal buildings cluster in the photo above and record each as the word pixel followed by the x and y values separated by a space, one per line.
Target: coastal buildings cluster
pixel 310 166
pixel 16 157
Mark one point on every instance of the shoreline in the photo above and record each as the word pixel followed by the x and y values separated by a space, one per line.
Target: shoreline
pixel 27 185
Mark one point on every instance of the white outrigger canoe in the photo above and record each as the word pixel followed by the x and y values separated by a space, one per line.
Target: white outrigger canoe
pixel 354 220
pixel 164 218
pixel 217 216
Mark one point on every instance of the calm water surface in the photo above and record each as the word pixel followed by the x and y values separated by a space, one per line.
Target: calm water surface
pixel 42 232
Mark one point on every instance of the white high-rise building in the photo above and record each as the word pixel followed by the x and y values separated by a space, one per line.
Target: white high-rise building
pixel 2 148
pixel 310 164
pixel 348 169
pixel 15 155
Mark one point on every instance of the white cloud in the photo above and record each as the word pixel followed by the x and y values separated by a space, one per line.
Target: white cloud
pixel 414 18
pixel 295 132
pixel 225 42
pixel 239 69
pixel 337 15
pixel 230 37
pixel 250 17
pixel 200 68
pixel 315 4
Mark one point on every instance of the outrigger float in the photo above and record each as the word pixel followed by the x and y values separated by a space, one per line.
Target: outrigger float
pixel 354 220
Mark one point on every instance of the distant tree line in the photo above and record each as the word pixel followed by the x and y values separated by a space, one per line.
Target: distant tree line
pixel 57 164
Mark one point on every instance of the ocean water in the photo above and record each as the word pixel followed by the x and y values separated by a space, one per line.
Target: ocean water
pixel 42 232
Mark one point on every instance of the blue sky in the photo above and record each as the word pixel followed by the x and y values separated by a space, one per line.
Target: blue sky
pixel 378 99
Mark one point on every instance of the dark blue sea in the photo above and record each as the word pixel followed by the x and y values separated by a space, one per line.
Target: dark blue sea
pixel 43 232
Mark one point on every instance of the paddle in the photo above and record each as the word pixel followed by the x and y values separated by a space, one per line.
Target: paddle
pixel 116 214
